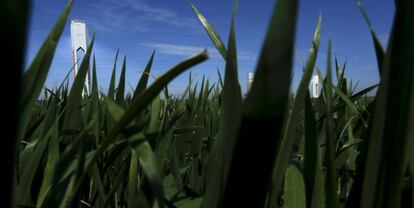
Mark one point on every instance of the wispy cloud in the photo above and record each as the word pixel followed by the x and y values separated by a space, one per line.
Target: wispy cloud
pixel 136 15
pixel 187 50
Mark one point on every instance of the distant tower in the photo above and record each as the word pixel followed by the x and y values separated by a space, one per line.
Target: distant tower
pixel 79 36
pixel 250 77
pixel 315 86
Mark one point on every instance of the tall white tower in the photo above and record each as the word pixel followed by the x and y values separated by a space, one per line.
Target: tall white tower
pixel 315 86
pixel 250 78
pixel 79 36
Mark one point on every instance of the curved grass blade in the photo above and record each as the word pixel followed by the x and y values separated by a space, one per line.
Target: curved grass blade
pixel 141 103
pixel 218 43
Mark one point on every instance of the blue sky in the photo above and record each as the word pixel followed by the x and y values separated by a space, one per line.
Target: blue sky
pixel 137 27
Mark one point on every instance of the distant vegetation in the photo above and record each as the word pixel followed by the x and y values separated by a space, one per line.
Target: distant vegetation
pixel 211 147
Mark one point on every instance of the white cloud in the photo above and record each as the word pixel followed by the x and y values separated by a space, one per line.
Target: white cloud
pixel 188 50
pixel 137 15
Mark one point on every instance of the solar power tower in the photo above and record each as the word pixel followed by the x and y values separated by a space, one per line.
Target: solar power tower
pixel 79 36
pixel 250 78
pixel 315 86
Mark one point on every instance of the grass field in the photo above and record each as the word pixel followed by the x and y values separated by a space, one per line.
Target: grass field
pixel 213 147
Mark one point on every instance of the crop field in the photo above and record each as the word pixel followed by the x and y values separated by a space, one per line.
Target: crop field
pixel 213 147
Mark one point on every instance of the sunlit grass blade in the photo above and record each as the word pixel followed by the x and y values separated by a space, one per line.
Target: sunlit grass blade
pixel 218 43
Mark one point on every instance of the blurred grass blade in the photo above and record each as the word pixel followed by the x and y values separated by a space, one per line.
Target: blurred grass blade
pixel 294 194
pixel 292 124
pixel 34 78
pixel 143 81
pixel 264 111
pixel 218 43
pixel 389 141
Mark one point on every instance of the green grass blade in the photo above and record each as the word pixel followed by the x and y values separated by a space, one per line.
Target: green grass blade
pixel 289 135
pixel 294 194
pixel 380 53
pixel 312 172
pixel 389 142
pixel 143 81
pixel 120 91
pixel 133 180
pixel 94 109
pixel 73 107
pixel 215 38
pixel 264 111
pixel 111 90
pixel 35 77
pixel 148 162
pixel 331 175
pixel 142 101
pixel 231 110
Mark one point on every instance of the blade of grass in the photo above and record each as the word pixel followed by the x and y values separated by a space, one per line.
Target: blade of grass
pixel 231 109
pixel 143 81
pixel 111 90
pixel 215 38
pixel 35 77
pixel 295 195
pixel 140 104
pixel 289 134
pixel 379 51
pixel 389 142
pixel 120 91
pixel 331 175
pixel 263 112
pixel 73 106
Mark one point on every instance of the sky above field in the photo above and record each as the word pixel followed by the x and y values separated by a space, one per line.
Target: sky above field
pixel 137 27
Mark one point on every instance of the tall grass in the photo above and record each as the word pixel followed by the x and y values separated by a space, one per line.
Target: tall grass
pixel 210 147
